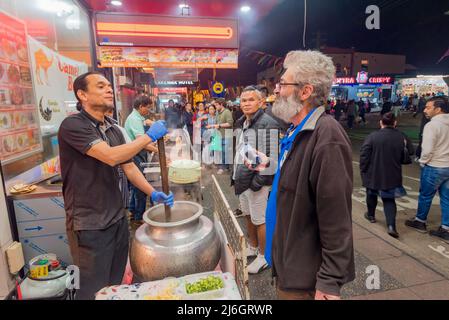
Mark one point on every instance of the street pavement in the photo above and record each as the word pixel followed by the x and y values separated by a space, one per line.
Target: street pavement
pixel 413 267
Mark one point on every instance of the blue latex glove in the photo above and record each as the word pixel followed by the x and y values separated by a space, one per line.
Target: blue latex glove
pixel 158 130
pixel 160 197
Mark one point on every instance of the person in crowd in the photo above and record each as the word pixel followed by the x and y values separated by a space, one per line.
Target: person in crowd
pixel 91 148
pixel 135 127
pixel 362 111
pixel 415 103
pixel 250 186
pixel 351 113
pixel 381 159
pixel 199 112
pixel 172 115
pixel 386 107
pixel 338 110
pixel 435 172
pixel 211 138
pixel 424 122
pixel 237 113
pixel 421 106
pixel 224 122
pixel 405 102
pixel 187 118
pixel 309 240
pixel 200 116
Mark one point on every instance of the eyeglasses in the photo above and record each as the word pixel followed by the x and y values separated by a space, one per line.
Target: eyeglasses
pixel 280 84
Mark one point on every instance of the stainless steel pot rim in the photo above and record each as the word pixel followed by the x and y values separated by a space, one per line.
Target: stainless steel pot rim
pixel 173 224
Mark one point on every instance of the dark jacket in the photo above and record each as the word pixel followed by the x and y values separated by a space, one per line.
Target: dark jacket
pixel 381 159
pixel 386 107
pixel 259 130
pixel 187 120
pixel 173 118
pixel 312 243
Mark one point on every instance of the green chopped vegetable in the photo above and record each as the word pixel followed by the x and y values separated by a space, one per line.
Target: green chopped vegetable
pixel 206 284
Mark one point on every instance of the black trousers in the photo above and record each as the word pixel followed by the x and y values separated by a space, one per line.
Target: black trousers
pixel 101 256
pixel 390 208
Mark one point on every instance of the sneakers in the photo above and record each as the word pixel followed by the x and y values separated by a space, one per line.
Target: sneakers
pixel 258 265
pixel 238 212
pixel 251 252
pixel 417 225
pixel 220 172
pixel 370 218
pixel 441 233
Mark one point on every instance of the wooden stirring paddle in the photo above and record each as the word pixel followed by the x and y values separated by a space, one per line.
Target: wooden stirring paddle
pixel 164 175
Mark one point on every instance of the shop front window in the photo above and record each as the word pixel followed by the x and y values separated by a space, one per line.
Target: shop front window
pixel 45 45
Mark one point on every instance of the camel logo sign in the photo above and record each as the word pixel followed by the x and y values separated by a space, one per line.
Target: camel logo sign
pixel 53 81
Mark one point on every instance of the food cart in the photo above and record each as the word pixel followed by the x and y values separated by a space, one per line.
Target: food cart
pixel 229 280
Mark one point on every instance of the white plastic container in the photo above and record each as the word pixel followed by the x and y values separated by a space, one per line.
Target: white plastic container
pixel 208 295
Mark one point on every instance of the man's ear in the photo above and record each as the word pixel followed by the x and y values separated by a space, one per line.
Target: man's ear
pixel 306 92
pixel 81 95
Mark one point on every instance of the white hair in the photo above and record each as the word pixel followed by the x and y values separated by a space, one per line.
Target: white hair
pixel 313 68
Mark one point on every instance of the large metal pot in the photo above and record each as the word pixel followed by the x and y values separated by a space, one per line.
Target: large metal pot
pixel 187 244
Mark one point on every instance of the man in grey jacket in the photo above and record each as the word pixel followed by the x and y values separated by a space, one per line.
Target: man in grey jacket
pixel 435 172
pixel 260 133
pixel 309 226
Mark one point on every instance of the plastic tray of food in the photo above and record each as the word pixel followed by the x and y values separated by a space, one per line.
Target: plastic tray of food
pixel 203 286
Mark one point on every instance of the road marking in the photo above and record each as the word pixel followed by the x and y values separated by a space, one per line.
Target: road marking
pixel 411 178
pixel 441 250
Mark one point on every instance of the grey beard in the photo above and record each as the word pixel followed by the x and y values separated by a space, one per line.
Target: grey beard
pixel 286 109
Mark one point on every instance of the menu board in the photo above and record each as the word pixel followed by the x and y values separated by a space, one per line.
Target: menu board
pixel 168 57
pixel 366 92
pixel 19 124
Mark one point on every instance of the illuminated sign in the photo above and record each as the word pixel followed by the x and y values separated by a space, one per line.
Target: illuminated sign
pixel 143 57
pixel 218 90
pixel 170 90
pixel 218 87
pixel 362 77
pixel 161 31
pixel 382 80
pixel 370 81
pixel 346 80
pixel 176 83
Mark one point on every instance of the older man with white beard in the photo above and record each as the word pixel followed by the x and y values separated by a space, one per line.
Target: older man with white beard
pixel 309 224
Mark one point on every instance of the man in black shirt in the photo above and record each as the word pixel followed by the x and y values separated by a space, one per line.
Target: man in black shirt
pixel 91 149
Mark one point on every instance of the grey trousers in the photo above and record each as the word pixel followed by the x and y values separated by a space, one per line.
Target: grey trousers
pixel 101 256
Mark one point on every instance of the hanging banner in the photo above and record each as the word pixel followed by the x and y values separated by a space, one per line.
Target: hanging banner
pixel 53 76
pixel 19 126
pixel 168 58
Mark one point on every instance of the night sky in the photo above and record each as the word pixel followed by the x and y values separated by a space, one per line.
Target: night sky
pixel 417 28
